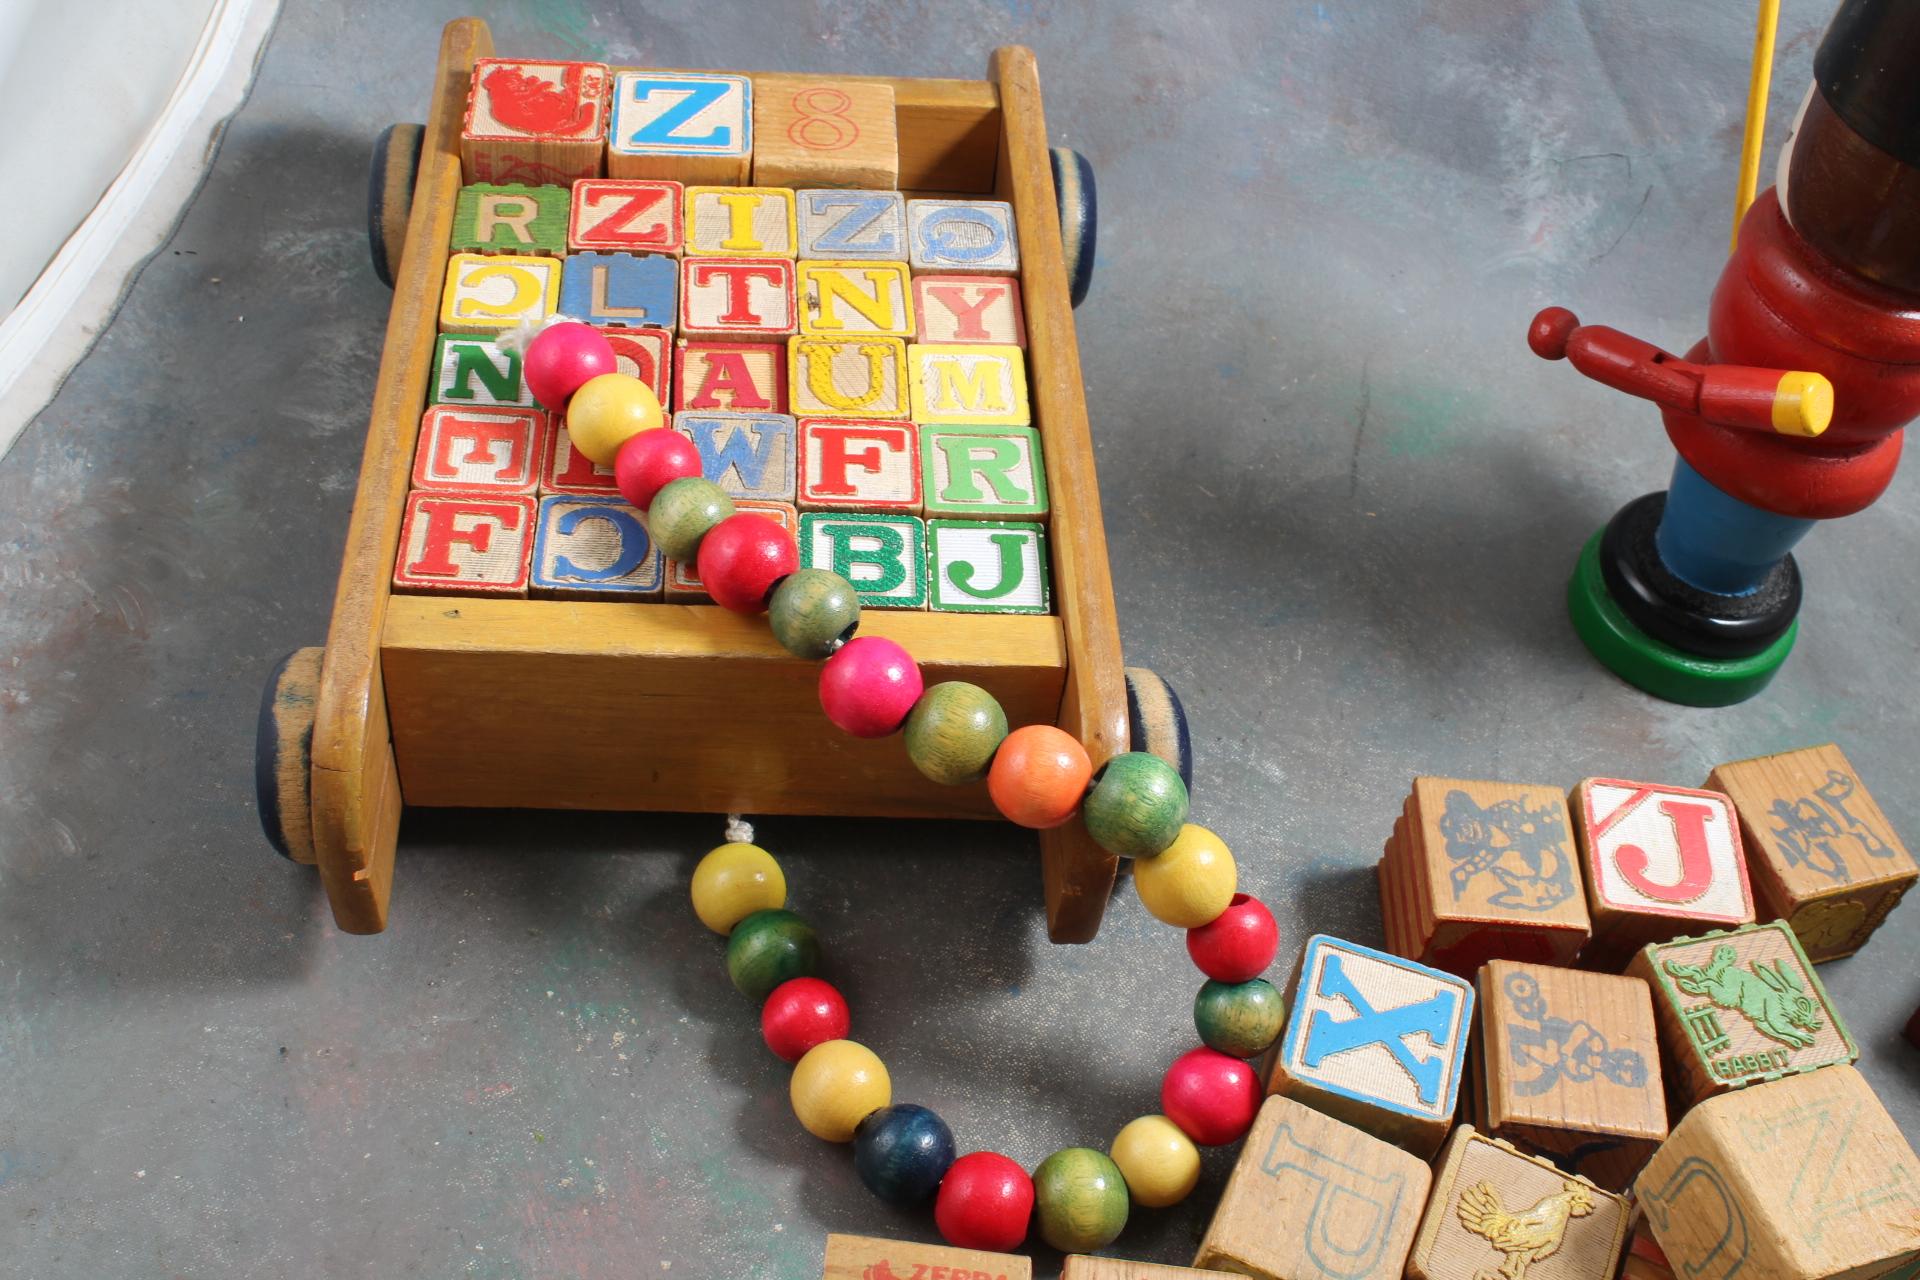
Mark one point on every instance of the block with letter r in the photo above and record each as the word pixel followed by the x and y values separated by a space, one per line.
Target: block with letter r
pixel 870 226
pixel 1377 1041
pixel 962 236
pixel 587 546
pixel 749 455
pixel 883 556
pixel 983 473
pixel 683 126
pixel 477 371
pixel 511 218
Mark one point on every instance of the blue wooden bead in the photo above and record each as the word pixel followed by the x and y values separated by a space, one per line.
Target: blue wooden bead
pixel 901 1152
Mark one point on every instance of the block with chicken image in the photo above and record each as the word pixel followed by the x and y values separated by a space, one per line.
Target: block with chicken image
pixel 1496 1214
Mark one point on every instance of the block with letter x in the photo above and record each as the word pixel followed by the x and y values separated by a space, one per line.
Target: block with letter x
pixel 1377 1041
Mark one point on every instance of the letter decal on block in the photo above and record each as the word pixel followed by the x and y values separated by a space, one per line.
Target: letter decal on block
pixel 464 543
pixel 737 298
pixel 474 371
pixel 973 310
pixel 594 547
pixel 491 450
pixel 1709 1202
pixel 983 472
pixel 740 222
pixel 626 216
pixel 742 377
pixel 966 385
pixel 864 378
pixel 1346 1227
pixel 750 455
pixel 962 236
pixel 858 464
pixel 621 289
pixel 692 128
pixel 1661 861
pixel 568 470
pixel 855 298
pixel 533 122
pixel 510 219
pixel 883 556
pixel 979 566
pixel 488 293
pixel 867 225
pixel 1434 1018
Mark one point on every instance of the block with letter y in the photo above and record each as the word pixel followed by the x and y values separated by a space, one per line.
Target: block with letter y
pixel 1376 1041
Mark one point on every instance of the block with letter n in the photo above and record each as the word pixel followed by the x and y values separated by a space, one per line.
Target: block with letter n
pixel 846 225
pixel 627 290
pixel 683 126
pixel 983 473
pixel 883 556
pixel 1376 1041
pixel 750 455
pixel 856 298
pixel 457 543
pixel 626 216
pixel 510 219
pixel 969 384
pixel 588 547
pixel 489 450
pixel 848 377
pixel 478 372
pixel 982 566
pixel 859 464
pixel 532 121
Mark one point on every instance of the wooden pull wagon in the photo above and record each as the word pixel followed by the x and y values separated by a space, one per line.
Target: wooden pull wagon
pixel 568 704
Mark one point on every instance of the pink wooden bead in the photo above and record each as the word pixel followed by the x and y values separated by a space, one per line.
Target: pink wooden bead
pixel 1212 1097
pixel 560 360
pixel 741 559
pixel 651 460
pixel 869 686
pixel 1239 944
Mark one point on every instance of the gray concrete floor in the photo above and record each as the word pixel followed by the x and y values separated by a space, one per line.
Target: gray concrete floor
pixel 1342 501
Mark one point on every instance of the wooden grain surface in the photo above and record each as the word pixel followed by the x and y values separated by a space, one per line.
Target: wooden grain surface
pixel 1080 1267
pixel 1546 1226
pixel 874 1258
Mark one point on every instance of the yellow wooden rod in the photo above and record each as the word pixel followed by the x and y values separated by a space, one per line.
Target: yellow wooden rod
pixel 1757 85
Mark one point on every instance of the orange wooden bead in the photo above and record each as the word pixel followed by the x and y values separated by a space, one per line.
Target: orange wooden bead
pixel 1039 776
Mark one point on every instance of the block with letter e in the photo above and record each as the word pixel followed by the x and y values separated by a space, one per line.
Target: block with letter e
pixel 744 377
pixel 749 455
pixel 684 126
pixel 618 215
pixel 589 546
pixel 985 566
pixel 627 290
pixel 567 470
pixel 458 543
pixel 858 464
pixel 883 556
pixel 983 473
pixel 484 450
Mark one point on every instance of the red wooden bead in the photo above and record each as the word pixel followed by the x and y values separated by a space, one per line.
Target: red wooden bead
pixel 1238 945
pixel 562 358
pixel 869 686
pixel 801 1013
pixel 651 460
pixel 985 1202
pixel 1039 776
pixel 1211 1096
pixel 742 558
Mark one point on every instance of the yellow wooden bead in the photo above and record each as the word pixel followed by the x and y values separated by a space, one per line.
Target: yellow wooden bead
pixel 1190 882
pixel 836 1086
pixel 1159 1162
pixel 607 410
pixel 734 881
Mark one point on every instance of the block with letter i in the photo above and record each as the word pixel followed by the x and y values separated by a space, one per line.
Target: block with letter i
pixel 626 215
pixel 883 556
pixel 984 566
pixel 740 222
pixel 456 543
pixel 1806 1178
pixel 683 579
pixel 623 290
pixel 871 1258
pixel 510 219
pixel 1739 1006
pixel 870 226
pixel 490 293
pixel 1660 861
pixel 534 122
pixel 683 126
pixel 854 299
pixel 646 354
pixel 847 377
pixel 478 372
pixel 983 473
pixel 587 547
pixel 1311 1198
pixel 1078 1266
pixel 1478 871
pixel 1822 855
pixel 498 451
pixel 968 309
pixel 744 299
pixel 749 455
pixel 1496 1214
pixel 1376 1041
pixel 858 464
pixel 962 236
pixel 968 385
pixel 813 134
pixel 1567 1067
pixel 743 377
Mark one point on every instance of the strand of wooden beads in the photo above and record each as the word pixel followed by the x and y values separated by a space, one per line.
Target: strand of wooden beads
pixel 1038 776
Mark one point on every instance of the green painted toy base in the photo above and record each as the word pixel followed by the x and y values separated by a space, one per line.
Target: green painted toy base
pixel 1661 669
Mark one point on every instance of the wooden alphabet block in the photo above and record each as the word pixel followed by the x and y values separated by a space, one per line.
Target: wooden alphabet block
pixel 690 128
pixel 477 372
pixel 859 465
pixel 621 290
pixel 567 470
pixel 843 226
pixel 1806 1178
pixel 683 578
pixel 1484 871
pixel 455 543
pixel 848 377
pixel 646 354
pixel 982 566
pixel 489 293
pixel 883 556
pixel 1375 1041
pixel 741 222
pixel 809 134
pixel 1660 861
pixel 1496 1214
pixel 747 377
pixel 856 299
pixel 1568 1067
pixel 871 1258
pixel 1646 1260
pixel 496 451
pixel 962 237
pixel 627 216
pixel 534 122
pixel 1081 1267
pixel 510 219
pixel 960 384
pixel 1313 1199
pixel 750 455
pixel 737 298
pixel 1738 1007
pixel 973 310
pixel 1823 856
pixel 984 473
pixel 594 547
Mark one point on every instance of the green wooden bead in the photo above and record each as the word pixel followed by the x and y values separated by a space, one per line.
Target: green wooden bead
pixel 813 612
pixel 768 948
pixel 1081 1199
pixel 681 514
pixel 1240 1019
pixel 1137 806
pixel 953 732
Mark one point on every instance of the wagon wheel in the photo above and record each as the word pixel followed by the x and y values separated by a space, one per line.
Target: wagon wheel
pixel 396 163
pixel 1157 722
pixel 283 754
pixel 1079 218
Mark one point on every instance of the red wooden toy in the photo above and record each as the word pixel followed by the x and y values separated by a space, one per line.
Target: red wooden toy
pixel 801 1013
pixel 1212 1096
pixel 1238 944
pixel 984 1203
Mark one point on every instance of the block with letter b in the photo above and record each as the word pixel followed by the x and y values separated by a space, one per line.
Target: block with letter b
pixel 624 290
pixel 510 219
pixel 646 354
pixel 1497 1214
pixel 813 134
pixel 534 122
pixel 740 222
pixel 627 215
pixel 962 236
pixel 458 543
pixel 870 226
pixel 490 293
pixel 856 299
pixel 749 455
pixel 968 309
pixel 983 473
pixel 590 546
pixel 1311 1198
pixel 847 377
pixel 968 384
pixel 497 451
pixel 883 556
pixel 858 464
pixel 478 372
pixel 745 377
pixel 683 579
pixel 981 566
pixel 737 298
pixel 683 126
